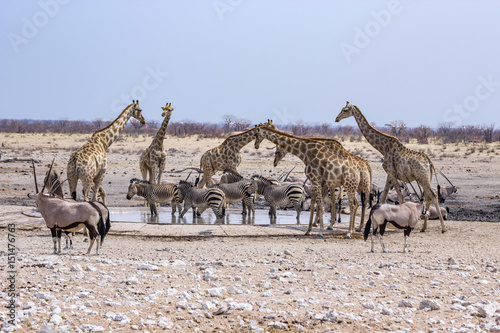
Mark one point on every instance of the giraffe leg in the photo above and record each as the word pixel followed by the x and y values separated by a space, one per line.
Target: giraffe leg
pixel 383 196
pixel 161 167
pixel 353 207
pixel 431 196
pixel 87 187
pixel 311 214
pixel 98 185
pixel 144 170
pixel 72 182
pixel 102 193
pixel 206 178
pixel 333 208
pixel 154 174
pixel 364 202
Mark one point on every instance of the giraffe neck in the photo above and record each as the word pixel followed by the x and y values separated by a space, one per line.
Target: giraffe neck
pixel 239 141
pixel 108 135
pixel 293 145
pixel 380 141
pixel 160 135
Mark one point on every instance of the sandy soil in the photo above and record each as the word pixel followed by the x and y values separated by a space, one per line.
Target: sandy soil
pixel 446 282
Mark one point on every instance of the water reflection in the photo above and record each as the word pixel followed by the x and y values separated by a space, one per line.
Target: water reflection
pixel 233 216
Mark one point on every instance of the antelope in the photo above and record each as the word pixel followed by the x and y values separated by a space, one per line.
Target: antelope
pixel 404 216
pixel 155 193
pixel 433 214
pixel 69 215
pixel 445 191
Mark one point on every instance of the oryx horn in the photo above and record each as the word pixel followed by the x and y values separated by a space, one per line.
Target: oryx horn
pixel 34 174
pixel 189 176
pixel 50 169
pixel 288 174
pixel 419 198
pixel 442 174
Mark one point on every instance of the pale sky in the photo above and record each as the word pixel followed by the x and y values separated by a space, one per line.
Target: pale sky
pixel 421 62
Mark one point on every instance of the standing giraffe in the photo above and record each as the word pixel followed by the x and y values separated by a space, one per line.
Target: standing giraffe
pixel 362 167
pixel 89 162
pixel 153 158
pixel 325 169
pixel 400 162
pixel 226 156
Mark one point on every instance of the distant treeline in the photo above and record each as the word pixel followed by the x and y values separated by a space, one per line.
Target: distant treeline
pixel 445 133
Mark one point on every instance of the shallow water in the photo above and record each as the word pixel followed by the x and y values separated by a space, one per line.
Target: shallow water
pixel 233 216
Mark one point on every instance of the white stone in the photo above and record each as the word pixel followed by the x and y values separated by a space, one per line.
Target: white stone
pixel 91 328
pixel 429 304
pixel 240 306
pixel 109 302
pixel 405 303
pixel 56 320
pixel 131 280
pixel 278 325
pixel 485 310
pixel 28 305
pixel 368 305
pixel 76 268
pixel 216 292
pixel 147 267
pixel 165 323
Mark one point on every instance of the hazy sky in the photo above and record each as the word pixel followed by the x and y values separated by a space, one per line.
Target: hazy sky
pixel 422 62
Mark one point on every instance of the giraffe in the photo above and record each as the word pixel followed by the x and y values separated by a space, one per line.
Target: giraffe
pixel 362 166
pixel 89 162
pixel 152 159
pixel 324 168
pixel 226 156
pixel 400 162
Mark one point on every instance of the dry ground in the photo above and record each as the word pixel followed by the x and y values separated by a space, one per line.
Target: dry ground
pixel 447 281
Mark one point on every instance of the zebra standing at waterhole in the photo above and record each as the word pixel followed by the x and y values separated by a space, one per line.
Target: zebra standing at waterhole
pixel 155 193
pixel 202 198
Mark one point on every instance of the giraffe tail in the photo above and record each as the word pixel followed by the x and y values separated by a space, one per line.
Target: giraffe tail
pixel 433 170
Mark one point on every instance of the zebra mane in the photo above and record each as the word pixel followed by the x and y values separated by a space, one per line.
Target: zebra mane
pixel 263 179
pixel 140 181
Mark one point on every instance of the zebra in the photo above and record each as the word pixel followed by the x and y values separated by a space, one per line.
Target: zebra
pixel 155 193
pixel 244 189
pixel 202 198
pixel 279 195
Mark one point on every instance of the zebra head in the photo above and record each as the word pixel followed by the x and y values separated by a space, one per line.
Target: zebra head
pixel 132 189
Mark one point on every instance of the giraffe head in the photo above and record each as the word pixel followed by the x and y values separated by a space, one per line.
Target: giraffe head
pixel 136 112
pixel 168 107
pixel 279 154
pixel 258 134
pixel 346 112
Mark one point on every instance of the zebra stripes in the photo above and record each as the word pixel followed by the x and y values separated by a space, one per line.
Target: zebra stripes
pixel 155 193
pixel 202 198
pixel 242 190
pixel 279 195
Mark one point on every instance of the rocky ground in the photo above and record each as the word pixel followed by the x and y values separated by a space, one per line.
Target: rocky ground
pixel 245 282
pixel 446 282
